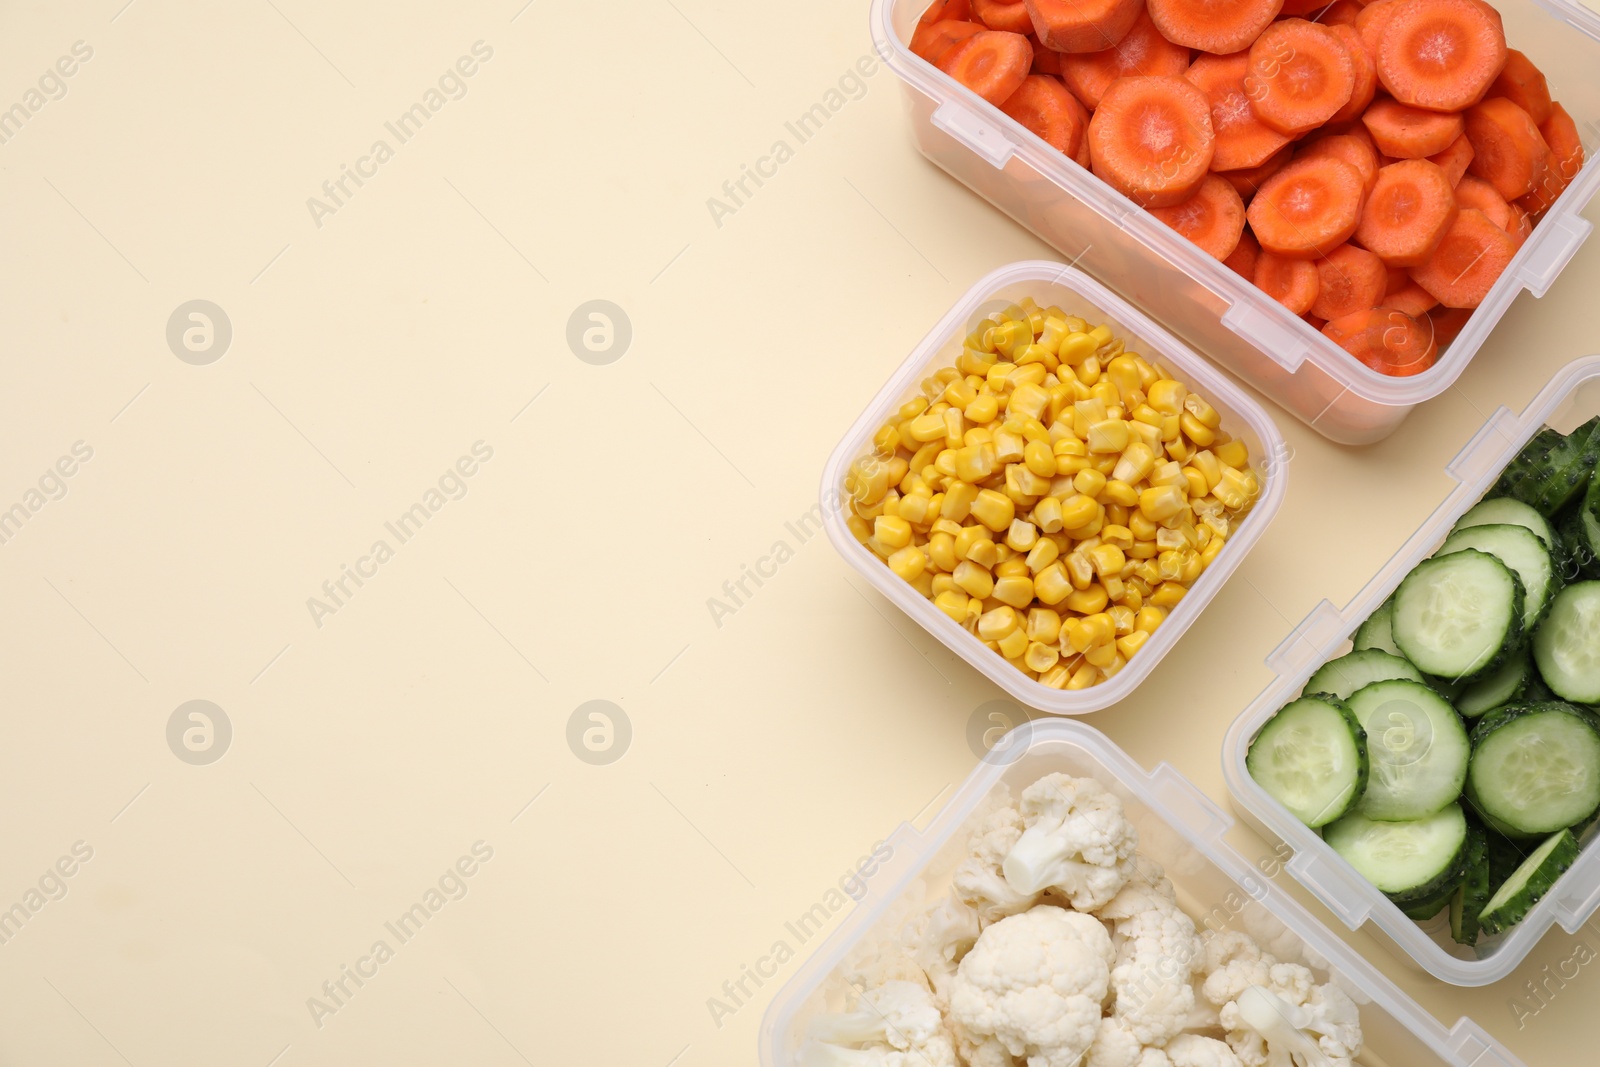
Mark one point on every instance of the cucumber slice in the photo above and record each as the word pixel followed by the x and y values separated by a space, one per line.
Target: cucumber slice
pixel 1431 907
pixel 1409 862
pixel 1529 883
pixel 1578 559
pixel 1457 616
pixel 1520 549
pixel 1505 856
pixel 1345 675
pixel 1502 510
pixel 1567 644
pixel 1502 687
pixel 1417 748
pixel 1535 768
pixel 1553 468
pixel 1312 758
pixel 1473 892
pixel 1376 632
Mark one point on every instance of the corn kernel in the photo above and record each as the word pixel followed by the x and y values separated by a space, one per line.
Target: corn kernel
pixel 1195 430
pixel 1195 405
pixel 1234 454
pixel 1040 657
pixel 1122 493
pixel 1044 625
pixel 1148 618
pixel 1108 435
pixel 1084 677
pixel 1020 481
pixel 1047 514
pixel 1015 590
pixel 1013 644
pixel 958 498
pixel 1056 677
pixel 1028 399
pixel 895 532
pixel 1143 549
pixel 1233 490
pixel 1039 458
pixel 1195 482
pixel 942 552
pixel 1192 566
pixel 1115 588
pixel 994 510
pixel 1101 655
pixel 976 463
pixel 1162 502
pixel 1136 462
pixel 1022 535
pixel 1051 585
pixel 1212 550
pixel 1090 528
pixel 1012 566
pixel 1167 396
pixel 995 624
pixel 1088 601
pixel 1107 559
pixel 1041 555
pixel 1121 619
pixel 909 563
pixel 984 553
pixel 953 602
pixel 1168 595
pixel 1131 643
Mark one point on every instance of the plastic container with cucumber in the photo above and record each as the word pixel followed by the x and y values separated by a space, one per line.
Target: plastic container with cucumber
pixel 1451 758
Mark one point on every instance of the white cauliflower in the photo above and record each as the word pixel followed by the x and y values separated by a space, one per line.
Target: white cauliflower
pixel 1275 1014
pixel 1035 984
pixel 978 881
pixel 1076 840
pixel 936 941
pixel 894 1025
pixel 1158 951
pixel 1192 1050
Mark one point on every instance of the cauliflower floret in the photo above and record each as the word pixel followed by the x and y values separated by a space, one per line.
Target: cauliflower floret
pixel 894 1025
pixel 1076 841
pixel 1275 1014
pixel 937 939
pixel 978 881
pixel 1192 1050
pixel 1035 983
pixel 1158 951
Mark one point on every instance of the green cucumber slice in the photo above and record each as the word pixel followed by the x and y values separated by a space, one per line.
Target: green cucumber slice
pixel 1495 690
pixel 1376 632
pixel 1535 768
pixel 1431 907
pixel 1567 644
pixel 1417 749
pixel 1457 616
pixel 1473 893
pixel 1501 510
pixel 1350 672
pixel 1553 468
pixel 1312 758
pixel 1409 862
pixel 1520 549
pixel 1529 883
pixel 1574 529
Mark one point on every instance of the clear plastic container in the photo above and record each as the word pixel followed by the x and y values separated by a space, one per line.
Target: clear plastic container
pixel 1572 397
pixel 1210 306
pixel 1180 829
pixel 1077 294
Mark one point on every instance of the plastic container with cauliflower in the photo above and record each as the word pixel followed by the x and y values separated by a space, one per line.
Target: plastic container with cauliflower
pixel 822 1008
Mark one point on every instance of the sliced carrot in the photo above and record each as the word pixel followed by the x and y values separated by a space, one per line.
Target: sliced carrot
pixel 1411 298
pixel 1301 74
pixel 1523 84
pixel 1314 321
pixel 1352 149
pixel 1151 139
pixel 1410 132
pixel 1350 279
pixel 1398 279
pixel 1215 26
pixel 1009 15
pixel 1441 54
pixel 1244 257
pixel 1477 193
pixel 1340 13
pixel 1291 282
pixel 1447 323
pixel 1562 164
pixel 1083 25
pixel 1045 60
pixel 1302 8
pixel 933 40
pixel 1411 208
pixel 1374 20
pixel 1385 339
pixel 1467 262
pixel 1142 51
pixel 1212 218
pixel 1508 151
pixel 1366 72
pixel 947 10
pixel 1455 160
pixel 992 63
pixel 1242 140
pixel 1521 226
pixel 1043 104
pixel 1248 182
pixel 1308 208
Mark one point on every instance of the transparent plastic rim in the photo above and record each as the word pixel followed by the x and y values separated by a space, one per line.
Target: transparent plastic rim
pixel 1157 341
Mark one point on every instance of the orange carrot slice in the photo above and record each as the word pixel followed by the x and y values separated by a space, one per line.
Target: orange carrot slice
pixel 1301 74
pixel 1350 279
pixel 1523 84
pixel 1508 151
pixel 1340 13
pixel 1411 208
pixel 1562 164
pixel 1410 298
pixel 1366 71
pixel 1212 218
pixel 1447 323
pixel 1352 149
pixel 1083 25
pixel 1242 261
pixel 1142 51
pixel 1467 262
pixel 1441 54
pixel 1151 139
pixel 947 10
pixel 1302 8
pixel 1045 60
pixel 1385 339
pixel 1215 26
pixel 1308 208
pixel 1242 140
pixel 1043 104
pixel 1410 132
pixel 1521 226
pixel 1374 21
pixel 1291 282
pixel 933 40
pixel 1009 15
pixel 1248 181
pixel 1477 193
pixel 1455 160
pixel 992 63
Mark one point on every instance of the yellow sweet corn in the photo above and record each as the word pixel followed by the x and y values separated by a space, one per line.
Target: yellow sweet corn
pixel 993 625
pixel 1088 601
pixel 1167 396
pixel 1168 595
pixel 1195 430
pixel 1086 675
pixel 1234 454
pixel 1043 625
pixel 909 563
pixel 1040 657
pixel 994 510
pixel 1013 644
pixel 1047 514
pixel 1108 435
pixel 953 602
pixel 1022 535
pixel 1161 503
pixel 1015 590
pixel 1052 585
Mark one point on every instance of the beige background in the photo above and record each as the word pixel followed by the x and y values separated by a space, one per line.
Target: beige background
pixel 371 352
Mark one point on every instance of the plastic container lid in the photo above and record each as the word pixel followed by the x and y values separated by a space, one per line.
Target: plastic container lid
pixel 1572 397
pixel 1078 294
pixel 1180 829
